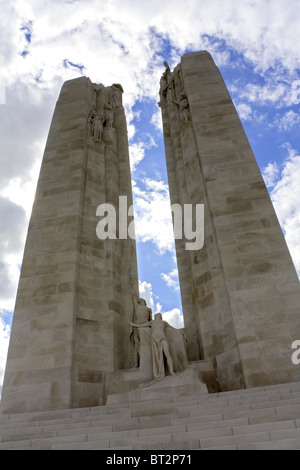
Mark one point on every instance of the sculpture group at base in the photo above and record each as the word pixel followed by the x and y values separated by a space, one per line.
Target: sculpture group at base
pixel 167 344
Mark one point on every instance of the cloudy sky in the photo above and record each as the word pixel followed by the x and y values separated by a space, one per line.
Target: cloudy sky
pixel 255 43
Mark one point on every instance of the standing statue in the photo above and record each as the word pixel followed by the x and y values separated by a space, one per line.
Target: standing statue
pixel 108 115
pixel 142 314
pixel 117 90
pixel 95 123
pixel 96 89
pixel 183 106
pixel 184 109
pixel 167 84
pixel 161 358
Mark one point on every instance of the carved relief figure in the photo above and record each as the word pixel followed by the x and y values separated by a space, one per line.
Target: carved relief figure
pixel 108 115
pixel 184 109
pixel 183 106
pixel 95 124
pixel 142 314
pixel 96 89
pixel 161 358
pixel 180 78
pixel 167 83
pixel 117 94
pixel 163 87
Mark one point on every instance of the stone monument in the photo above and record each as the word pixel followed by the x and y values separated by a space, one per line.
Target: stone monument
pixel 240 292
pixel 81 336
pixel 76 292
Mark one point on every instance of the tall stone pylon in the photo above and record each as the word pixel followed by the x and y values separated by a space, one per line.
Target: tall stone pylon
pixel 75 293
pixel 240 292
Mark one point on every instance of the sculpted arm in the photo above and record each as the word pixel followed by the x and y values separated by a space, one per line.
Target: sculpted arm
pixel 140 325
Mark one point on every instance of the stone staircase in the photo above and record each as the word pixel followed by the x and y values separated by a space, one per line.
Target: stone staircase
pixel 252 419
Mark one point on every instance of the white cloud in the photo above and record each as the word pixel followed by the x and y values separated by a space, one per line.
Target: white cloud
pixel 244 110
pixel 22 192
pixel 156 120
pixel 4 341
pixel 286 196
pixel 269 93
pixel 247 113
pixel 24 122
pixel 137 150
pixel 174 317
pixel 153 220
pixel 287 121
pixel 171 279
pixel 292 231
pixel 130 33
pixel 145 289
pixel 13 227
pixel 136 153
pixel 295 93
pixel 270 174
pixel 2 91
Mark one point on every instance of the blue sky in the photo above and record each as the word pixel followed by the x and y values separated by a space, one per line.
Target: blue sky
pixel 255 44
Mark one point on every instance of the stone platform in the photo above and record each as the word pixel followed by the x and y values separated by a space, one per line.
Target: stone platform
pixel 250 419
pixel 183 383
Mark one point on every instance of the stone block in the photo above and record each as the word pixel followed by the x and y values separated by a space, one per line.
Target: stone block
pixel 270 427
pixel 218 425
pixel 288 412
pixel 234 440
pixel 16 445
pixel 207 433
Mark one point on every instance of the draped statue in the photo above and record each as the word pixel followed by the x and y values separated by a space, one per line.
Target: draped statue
pixel 167 347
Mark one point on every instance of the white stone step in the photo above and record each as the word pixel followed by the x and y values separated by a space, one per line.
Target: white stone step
pixel 262 418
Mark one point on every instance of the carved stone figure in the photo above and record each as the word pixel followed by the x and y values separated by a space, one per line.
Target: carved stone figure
pixel 141 315
pixel 167 72
pixel 183 106
pixel 108 115
pixel 95 123
pixel 161 358
pixel 167 84
pixel 169 90
pixel 96 88
pixel 180 77
pixel 184 109
pixel 177 345
pixel 117 94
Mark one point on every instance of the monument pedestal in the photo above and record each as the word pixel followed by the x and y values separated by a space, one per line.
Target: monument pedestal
pixel 129 385
pixel 180 384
